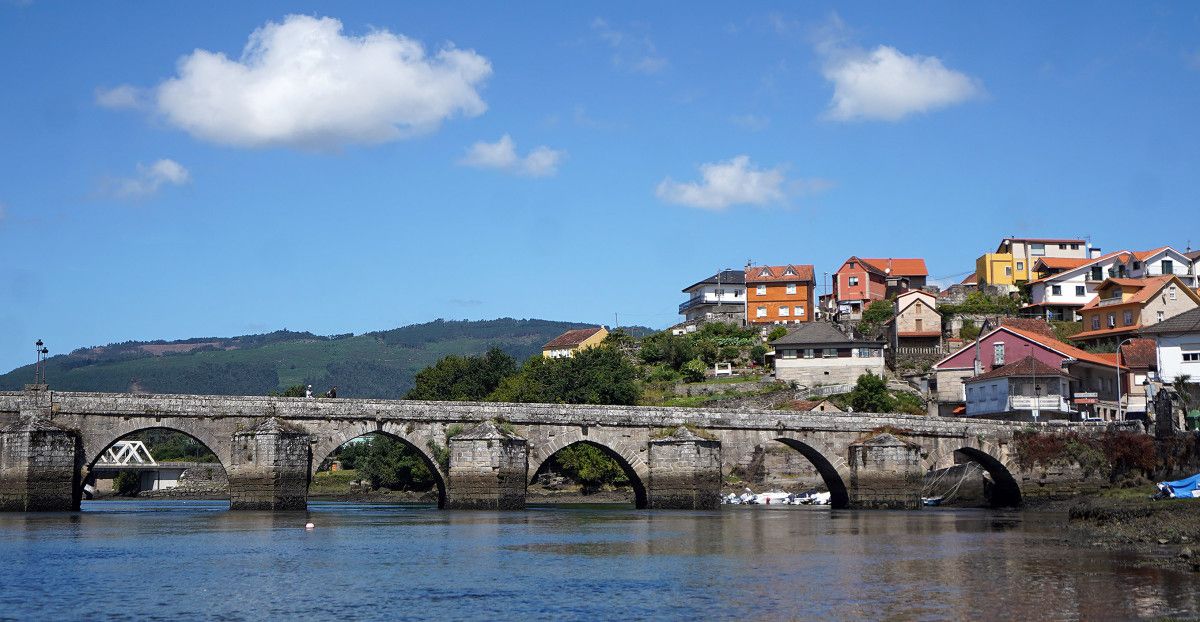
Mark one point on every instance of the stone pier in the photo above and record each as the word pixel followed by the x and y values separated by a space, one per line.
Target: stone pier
pixel 270 468
pixel 39 461
pixel 885 474
pixel 487 469
pixel 685 472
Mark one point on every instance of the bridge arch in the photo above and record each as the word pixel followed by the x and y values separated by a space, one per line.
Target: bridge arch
pixel 629 459
pixel 324 448
pixel 1006 492
pixel 835 473
pixel 96 443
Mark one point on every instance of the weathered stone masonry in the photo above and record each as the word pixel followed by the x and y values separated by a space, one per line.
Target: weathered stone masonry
pixel 271 446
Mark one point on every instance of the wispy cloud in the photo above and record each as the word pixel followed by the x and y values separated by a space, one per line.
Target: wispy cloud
pixel 751 122
pixel 124 96
pixel 302 83
pixel 736 182
pixel 885 84
pixel 502 155
pixel 632 51
pixel 147 181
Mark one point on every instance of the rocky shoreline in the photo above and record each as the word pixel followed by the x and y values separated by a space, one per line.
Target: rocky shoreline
pixel 1162 533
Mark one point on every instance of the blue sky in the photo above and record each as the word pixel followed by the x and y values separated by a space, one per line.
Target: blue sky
pixel 158 182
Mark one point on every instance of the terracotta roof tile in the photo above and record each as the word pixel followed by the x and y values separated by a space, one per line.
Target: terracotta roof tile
pixel 1146 289
pixel 1065 348
pixel 571 338
pixel 1028 366
pixel 754 274
pixel 1140 353
pixel 898 266
pixel 1186 322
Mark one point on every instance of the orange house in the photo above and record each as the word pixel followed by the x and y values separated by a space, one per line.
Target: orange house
pixel 779 294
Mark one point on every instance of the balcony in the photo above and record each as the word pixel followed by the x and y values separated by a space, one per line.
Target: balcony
pixel 1046 402
pixel 696 301
pixel 1111 301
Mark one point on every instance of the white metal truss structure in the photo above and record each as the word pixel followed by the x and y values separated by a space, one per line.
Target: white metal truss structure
pixel 126 452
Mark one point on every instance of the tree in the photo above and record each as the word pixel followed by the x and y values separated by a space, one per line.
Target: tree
pixel 296 390
pixel 778 332
pixel 673 350
pixel 876 315
pixel 694 370
pixel 590 466
pixel 463 378
pixel 127 483
pixel 758 354
pixel 969 330
pixel 599 375
pixel 870 395
pixel 730 354
pixel 392 464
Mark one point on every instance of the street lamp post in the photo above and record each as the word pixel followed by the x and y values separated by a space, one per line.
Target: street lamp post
pixel 1120 414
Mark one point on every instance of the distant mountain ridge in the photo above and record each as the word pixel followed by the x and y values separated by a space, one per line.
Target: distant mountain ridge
pixel 378 364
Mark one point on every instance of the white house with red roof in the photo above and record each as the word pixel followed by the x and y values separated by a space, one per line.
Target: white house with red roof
pixel 1066 284
pixel 1019 390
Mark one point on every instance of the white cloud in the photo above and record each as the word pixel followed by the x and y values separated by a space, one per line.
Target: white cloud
pixel 123 96
pixel 631 51
pixel 302 83
pixel 724 184
pixel 148 180
pixel 886 84
pixel 502 155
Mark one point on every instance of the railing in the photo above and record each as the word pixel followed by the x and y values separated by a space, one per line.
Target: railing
pixel 1029 402
pixel 833 389
pixel 1111 301
pixel 709 300
pixel 921 350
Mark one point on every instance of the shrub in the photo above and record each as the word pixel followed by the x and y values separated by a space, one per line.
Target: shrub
pixel 694 370
pixel 777 333
pixel 127 483
pixel 730 354
pixel 758 354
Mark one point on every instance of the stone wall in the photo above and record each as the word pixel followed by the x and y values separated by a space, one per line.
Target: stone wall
pixel 270 468
pixel 487 470
pixel 39 467
pixel 885 473
pixel 685 472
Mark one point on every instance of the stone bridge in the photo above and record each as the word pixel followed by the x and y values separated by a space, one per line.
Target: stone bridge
pixel 675 457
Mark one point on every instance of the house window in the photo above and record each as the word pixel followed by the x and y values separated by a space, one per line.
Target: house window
pixel 998 353
pixel 1128 318
pixel 1160 316
pixel 760 312
pixel 1168 266
pixel 1095 322
pixel 783 311
pixel 1080 290
pixel 800 311
pixel 1056 290
pixel 1137 265
pixel 789 354
pixel 791 288
pixel 1097 273
pixel 737 293
pixel 853 280
pixel 829 353
pixel 1037 250
pixel 1074 247
pixel 808 353
pixel 917 322
pixel 1192 355
pixel 1112 320
pixel 1020 265
pixel 1007 270
pixel 762 290
pixel 1171 292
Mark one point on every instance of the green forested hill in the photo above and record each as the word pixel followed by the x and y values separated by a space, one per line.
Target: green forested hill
pixel 379 364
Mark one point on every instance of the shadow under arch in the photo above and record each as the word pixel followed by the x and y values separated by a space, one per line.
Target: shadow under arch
pixel 92 456
pixel 1006 493
pixel 439 479
pixel 639 487
pixel 839 496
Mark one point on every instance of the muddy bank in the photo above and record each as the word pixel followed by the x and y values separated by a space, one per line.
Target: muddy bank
pixel 1162 533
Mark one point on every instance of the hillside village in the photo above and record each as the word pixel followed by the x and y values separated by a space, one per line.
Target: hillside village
pixel 1042 329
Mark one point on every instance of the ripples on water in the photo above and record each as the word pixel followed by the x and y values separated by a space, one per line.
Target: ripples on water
pixel 177 560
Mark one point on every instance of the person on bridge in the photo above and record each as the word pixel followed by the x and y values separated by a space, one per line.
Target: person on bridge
pixel 332 392
pixel 308 391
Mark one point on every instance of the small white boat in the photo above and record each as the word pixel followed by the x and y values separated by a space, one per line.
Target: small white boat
pixel 774 497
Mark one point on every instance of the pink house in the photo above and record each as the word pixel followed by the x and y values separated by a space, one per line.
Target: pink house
pixel 1089 372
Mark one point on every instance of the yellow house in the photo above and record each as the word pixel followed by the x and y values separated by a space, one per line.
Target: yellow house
pixel 572 341
pixel 1013 261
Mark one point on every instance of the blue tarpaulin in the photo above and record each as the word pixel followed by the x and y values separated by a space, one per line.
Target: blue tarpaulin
pixel 1185 488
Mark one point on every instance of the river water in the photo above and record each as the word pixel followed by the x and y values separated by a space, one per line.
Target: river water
pixel 180 560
